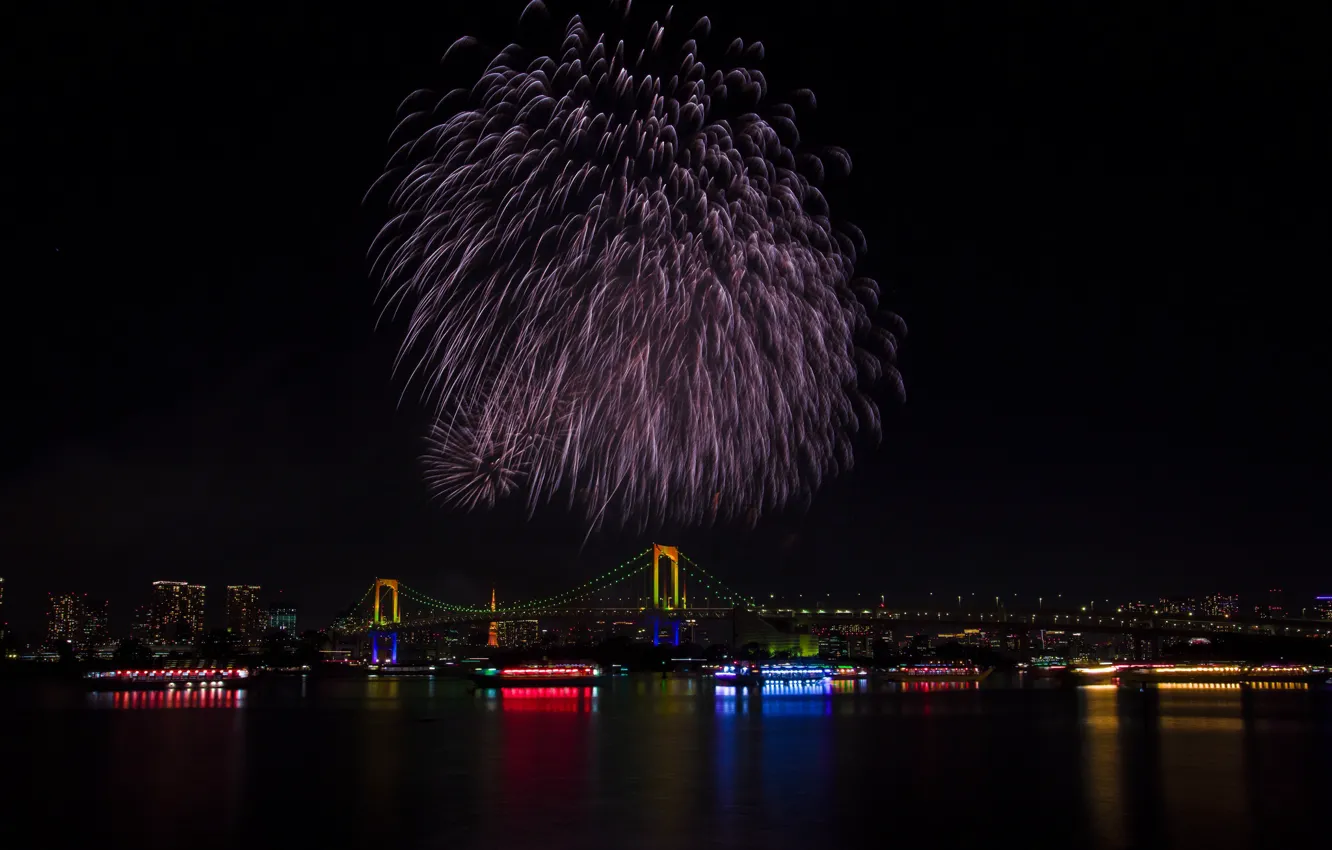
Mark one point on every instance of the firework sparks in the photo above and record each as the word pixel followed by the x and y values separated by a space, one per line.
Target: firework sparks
pixel 624 285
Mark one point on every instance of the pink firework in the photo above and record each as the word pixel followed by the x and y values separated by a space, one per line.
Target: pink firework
pixel 624 285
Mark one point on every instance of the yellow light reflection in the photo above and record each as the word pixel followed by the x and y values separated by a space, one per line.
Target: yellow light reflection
pixel 1103 770
pixel 1202 756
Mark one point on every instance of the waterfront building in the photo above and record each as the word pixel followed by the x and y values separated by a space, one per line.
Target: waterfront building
pixel 833 645
pixel 515 634
pixel 165 607
pixel 96 624
pixel 1273 609
pixel 194 610
pixel 1183 605
pixel 1221 605
pixel 1054 642
pixel 282 617
pixel 64 621
pixel 1323 605
pixel 141 624
pixel 176 612
pixel 75 622
pixel 246 621
pixel 1078 649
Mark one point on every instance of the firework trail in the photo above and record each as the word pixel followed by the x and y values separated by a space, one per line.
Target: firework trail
pixel 624 285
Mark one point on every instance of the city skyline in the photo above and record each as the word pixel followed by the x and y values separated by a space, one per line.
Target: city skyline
pixel 245 617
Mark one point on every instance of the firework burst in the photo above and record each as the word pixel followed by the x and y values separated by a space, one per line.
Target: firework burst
pixel 624 284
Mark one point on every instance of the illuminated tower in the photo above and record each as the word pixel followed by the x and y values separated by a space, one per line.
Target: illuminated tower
pixel 166 610
pixel 674 597
pixel 194 610
pixel 377 629
pixel 245 619
pixel 65 621
pixel 96 623
pixel 493 638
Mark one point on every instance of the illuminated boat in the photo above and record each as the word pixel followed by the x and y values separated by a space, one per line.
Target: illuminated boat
pixel 749 673
pixel 738 673
pixel 1096 671
pixel 168 676
pixel 537 675
pixel 939 671
pixel 401 669
pixel 1045 665
pixel 849 671
pixel 796 671
pixel 1220 672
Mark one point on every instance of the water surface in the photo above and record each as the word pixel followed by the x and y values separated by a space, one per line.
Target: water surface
pixel 652 763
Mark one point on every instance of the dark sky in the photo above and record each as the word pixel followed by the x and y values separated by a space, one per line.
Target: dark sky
pixel 1107 230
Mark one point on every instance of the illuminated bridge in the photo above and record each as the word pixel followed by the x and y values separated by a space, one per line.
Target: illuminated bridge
pixel 662 586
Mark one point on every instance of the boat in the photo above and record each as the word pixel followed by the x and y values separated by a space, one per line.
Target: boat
pixel 1220 672
pixel 401 669
pixel 796 671
pixel 537 675
pixel 938 671
pixel 750 673
pixel 1045 665
pixel 169 675
pixel 738 673
pixel 849 671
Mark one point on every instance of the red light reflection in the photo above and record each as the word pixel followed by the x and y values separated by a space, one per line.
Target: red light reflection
pixel 169 698
pixel 933 687
pixel 564 700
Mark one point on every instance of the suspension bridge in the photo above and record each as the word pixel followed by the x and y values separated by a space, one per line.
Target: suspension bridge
pixel 659 585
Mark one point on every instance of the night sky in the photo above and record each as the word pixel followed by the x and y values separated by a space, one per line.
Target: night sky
pixel 1106 230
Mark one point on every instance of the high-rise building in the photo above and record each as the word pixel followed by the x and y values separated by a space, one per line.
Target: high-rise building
pixel 2 608
pixel 176 612
pixel 166 610
pixel 245 619
pixel 74 621
pixel 96 623
pixel 1323 605
pixel 141 624
pixel 1221 605
pixel 282 617
pixel 514 634
pixel 64 621
pixel 194 610
pixel 1177 605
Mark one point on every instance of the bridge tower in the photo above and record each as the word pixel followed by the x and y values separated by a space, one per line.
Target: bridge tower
pixel 380 622
pixel 666 601
pixel 675 597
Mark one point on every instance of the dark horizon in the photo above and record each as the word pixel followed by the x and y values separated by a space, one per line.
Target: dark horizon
pixel 1099 228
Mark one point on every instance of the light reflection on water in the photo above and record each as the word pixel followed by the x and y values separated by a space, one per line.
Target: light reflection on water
pixel 169 698
pixel 571 700
pixel 649 762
